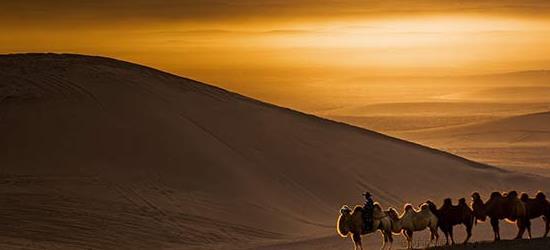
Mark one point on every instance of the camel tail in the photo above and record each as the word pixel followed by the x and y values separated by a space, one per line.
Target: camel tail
pixel 511 221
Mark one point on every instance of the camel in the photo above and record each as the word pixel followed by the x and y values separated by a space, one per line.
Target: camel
pixel 536 207
pixel 352 223
pixel 500 207
pixel 412 220
pixel 449 215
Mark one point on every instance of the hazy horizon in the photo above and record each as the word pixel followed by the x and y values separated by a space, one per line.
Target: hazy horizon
pixel 275 50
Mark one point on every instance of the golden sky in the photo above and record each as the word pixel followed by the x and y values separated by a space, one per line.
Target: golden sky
pixel 246 45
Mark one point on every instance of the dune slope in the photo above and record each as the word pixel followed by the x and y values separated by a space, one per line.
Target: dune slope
pixel 103 154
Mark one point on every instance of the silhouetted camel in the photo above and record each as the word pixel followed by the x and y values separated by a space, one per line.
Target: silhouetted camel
pixel 449 215
pixel 500 207
pixel 412 220
pixel 353 222
pixel 536 207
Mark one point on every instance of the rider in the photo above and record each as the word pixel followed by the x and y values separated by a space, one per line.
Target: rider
pixel 368 209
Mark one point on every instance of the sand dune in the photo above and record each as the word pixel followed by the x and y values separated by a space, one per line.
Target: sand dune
pixel 433 108
pixel 534 244
pixel 507 94
pixel 103 154
pixel 519 142
pixel 522 128
pixel 395 118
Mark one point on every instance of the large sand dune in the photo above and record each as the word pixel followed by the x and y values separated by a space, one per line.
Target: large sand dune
pixel 103 154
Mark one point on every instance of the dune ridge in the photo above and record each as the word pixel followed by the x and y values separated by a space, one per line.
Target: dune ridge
pixel 518 142
pixel 100 153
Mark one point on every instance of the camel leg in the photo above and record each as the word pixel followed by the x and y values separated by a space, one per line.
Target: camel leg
pixel 528 226
pixel 469 226
pixel 411 238
pixel 390 237
pixel 521 224
pixel 406 237
pixel 385 240
pixel 446 236
pixel 409 235
pixel 451 234
pixel 435 234
pixel 496 230
pixel 547 225
pixel 431 238
pixel 357 241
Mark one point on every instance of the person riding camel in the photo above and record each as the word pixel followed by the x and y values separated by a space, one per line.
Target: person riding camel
pixel 368 209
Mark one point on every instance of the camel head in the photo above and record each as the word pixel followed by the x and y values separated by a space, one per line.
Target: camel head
pixel 395 222
pixel 479 207
pixel 424 206
pixel 524 197
pixel 512 194
pixel 343 224
pixel 447 202
pixel 377 208
pixel 394 215
pixel 432 206
pixel 462 202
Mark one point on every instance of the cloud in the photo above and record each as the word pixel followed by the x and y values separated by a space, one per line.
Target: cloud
pixel 115 11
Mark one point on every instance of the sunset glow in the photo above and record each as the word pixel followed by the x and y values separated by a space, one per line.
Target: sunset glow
pixel 291 46
pixel 274 124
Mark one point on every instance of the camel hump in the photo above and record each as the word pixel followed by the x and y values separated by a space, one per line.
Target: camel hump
pixel 393 213
pixel 408 207
pixel 524 197
pixel 540 196
pixel 496 195
pixel 462 201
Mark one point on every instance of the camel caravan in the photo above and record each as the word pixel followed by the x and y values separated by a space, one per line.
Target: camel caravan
pixel 509 206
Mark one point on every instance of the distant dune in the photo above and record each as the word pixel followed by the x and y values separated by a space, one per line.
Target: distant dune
pixel 521 142
pixel 517 129
pixel 515 94
pixel 432 108
pixel 103 154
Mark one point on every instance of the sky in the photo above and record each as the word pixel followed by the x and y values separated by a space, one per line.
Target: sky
pixel 274 48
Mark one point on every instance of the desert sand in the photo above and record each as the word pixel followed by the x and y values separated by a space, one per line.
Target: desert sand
pixel 519 142
pixel 534 244
pixel 498 119
pixel 98 153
